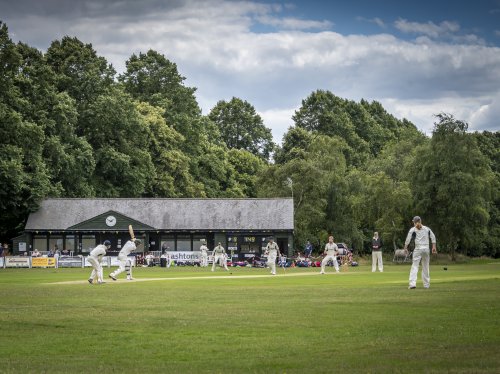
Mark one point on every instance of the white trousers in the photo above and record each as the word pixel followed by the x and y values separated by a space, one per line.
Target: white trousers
pixel 96 268
pixel 271 262
pixel 125 265
pixel 377 257
pixel 204 260
pixel 328 258
pixel 221 259
pixel 424 256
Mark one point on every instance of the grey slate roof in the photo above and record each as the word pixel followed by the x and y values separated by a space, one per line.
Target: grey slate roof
pixel 170 214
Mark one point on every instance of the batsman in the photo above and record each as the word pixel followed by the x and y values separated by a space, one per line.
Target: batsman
pixel 272 251
pixel 125 262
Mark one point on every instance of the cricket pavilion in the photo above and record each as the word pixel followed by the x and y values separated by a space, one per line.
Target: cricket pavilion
pixel 243 226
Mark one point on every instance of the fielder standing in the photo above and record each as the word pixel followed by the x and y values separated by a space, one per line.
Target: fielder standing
pixel 219 255
pixel 204 256
pixel 421 252
pixel 272 251
pixel 377 253
pixel 331 251
pixel 95 259
pixel 125 263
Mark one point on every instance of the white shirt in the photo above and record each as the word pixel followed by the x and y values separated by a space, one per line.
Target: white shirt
pixel 127 248
pixel 272 248
pixel 219 250
pixel 203 250
pixel 98 251
pixel 421 238
pixel 331 249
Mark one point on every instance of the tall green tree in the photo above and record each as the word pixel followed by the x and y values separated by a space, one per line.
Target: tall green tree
pixel 309 179
pixel 24 178
pixel 172 177
pixel 150 77
pixel 324 113
pixel 116 132
pixel 489 144
pixel 246 168
pixel 296 141
pixel 242 128
pixel 69 158
pixel 79 70
pixel 367 128
pixel 382 204
pixel 453 185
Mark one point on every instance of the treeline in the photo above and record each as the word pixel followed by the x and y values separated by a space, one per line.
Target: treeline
pixel 72 127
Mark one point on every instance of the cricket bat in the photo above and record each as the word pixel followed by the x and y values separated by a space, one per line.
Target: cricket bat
pixel 131 232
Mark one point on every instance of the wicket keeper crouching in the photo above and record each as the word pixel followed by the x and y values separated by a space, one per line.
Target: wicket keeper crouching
pixel 219 254
pixel 95 258
pixel 125 263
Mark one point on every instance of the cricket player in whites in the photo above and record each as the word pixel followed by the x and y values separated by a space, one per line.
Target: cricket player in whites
pixel 272 251
pixel 204 255
pixel 423 235
pixel 125 263
pixel 331 252
pixel 219 256
pixel 95 258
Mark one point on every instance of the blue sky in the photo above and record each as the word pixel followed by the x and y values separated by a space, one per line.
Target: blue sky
pixel 416 58
pixel 481 18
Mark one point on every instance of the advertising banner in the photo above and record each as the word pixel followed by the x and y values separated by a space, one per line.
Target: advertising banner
pixel 184 256
pixel 43 262
pixel 17 262
pixel 70 262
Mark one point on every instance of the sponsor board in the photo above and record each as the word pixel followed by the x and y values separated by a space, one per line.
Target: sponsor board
pixel 70 262
pixel 43 262
pixel 185 256
pixel 17 262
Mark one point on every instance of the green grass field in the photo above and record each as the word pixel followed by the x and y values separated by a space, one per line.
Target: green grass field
pixel 190 320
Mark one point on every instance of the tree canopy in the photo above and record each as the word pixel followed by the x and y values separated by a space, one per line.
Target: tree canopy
pixel 70 127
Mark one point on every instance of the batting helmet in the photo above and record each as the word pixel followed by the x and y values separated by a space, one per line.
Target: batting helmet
pixel 107 243
pixel 137 241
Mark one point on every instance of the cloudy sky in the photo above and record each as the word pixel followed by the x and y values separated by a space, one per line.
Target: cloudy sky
pixel 417 58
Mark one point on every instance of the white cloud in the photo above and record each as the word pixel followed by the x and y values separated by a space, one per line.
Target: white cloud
pixel 428 28
pixel 294 23
pixel 279 121
pixel 378 21
pixel 479 113
pixel 216 47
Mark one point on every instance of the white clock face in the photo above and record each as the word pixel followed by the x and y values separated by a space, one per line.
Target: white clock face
pixel 110 221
